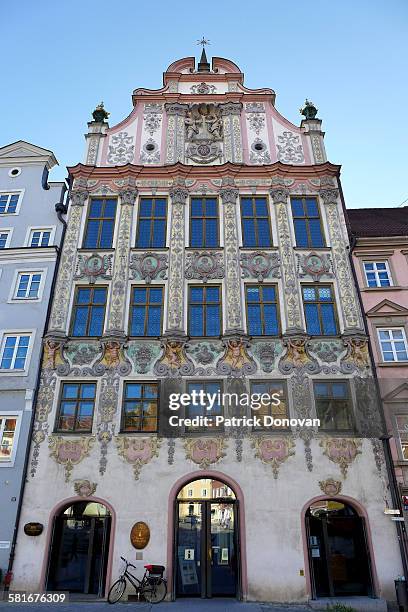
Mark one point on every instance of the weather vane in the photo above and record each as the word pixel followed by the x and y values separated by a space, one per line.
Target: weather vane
pixel 203 42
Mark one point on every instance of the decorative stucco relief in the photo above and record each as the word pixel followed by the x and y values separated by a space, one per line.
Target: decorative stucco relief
pixel 259 153
pixel 229 195
pixel 152 117
pixel 302 402
pixel 115 322
pixel 289 148
pixel 176 114
pixel 348 298
pixel 357 356
pixel 279 194
pixel 94 267
pixel 204 265
pixel 175 310
pixel 255 112
pixel 148 266
pixel 203 88
pixel 267 354
pixel 121 149
pixel 142 355
pixel 205 452
pixel 297 357
pixel 231 116
pixel 70 452
pixel 174 361
pixel 260 265
pixel 314 265
pixel 150 153
pixel 341 451
pixel 273 451
pixel 138 452
pixel 330 486
pixel 236 360
pixel 84 488
pixel 63 289
pixel 203 133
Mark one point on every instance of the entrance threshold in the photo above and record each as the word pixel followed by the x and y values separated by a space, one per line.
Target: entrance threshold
pixel 363 604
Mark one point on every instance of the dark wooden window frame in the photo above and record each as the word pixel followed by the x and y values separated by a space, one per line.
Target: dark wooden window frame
pixel 318 303
pixel 151 218
pixel 142 398
pixel 77 400
pixel 100 220
pixel 256 217
pixel 204 305
pixel 191 217
pixel 89 305
pixel 261 304
pixel 351 430
pixel 146 306
pixel 306 218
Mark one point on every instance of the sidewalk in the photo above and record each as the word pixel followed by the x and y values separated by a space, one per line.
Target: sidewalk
pixel 182 605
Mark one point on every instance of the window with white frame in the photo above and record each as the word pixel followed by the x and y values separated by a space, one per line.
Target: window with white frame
pixel 28 286
pixel 14 351
pixel 8 436
pixel 189 492
pixel 40 237
pixel 9 203
pixel 402 428
pixel 393 344
pixel 377 274
pixel 4 236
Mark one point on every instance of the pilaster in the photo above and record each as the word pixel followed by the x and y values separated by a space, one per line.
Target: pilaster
pixel 231 113
pixel 175 300
pixel 315 134
pixel 175 136
pixel 94 137
pixel 116 311
pixel 330 197
pixel 63 289
pixel 229 195
pixel 293 305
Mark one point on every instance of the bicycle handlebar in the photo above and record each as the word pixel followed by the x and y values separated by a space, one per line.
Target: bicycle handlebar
pixel 128 564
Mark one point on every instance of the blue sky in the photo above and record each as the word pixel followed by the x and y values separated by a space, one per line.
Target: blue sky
pixel 60 58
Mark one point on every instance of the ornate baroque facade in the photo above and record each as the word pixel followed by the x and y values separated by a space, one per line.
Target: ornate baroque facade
pixel 204 135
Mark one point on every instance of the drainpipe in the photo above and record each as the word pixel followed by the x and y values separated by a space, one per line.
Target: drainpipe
pixel 385 438
pixel 60 209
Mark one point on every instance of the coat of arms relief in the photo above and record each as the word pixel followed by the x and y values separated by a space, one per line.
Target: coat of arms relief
pixel 203 133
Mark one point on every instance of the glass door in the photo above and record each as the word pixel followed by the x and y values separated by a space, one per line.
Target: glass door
pixel 222 550
pixel 189 549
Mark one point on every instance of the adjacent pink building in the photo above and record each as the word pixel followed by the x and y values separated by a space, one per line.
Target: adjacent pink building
pixel 380 258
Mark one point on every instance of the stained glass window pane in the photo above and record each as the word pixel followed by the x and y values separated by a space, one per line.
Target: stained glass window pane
pixel 328 320
pixel 91 239
pixel 248 230
pixel 270 319
pixel 96 322
pixel 138 319
pixel 316 237
pixel 211 230
pixel 79 326
pixel 264 234
pixel 197 232
pixel 106 234
pixel 196 321
pixel 154 321
pixel 297 208
pixel 311 208
pixel 213 320
pixel 159 233
pixel 254 320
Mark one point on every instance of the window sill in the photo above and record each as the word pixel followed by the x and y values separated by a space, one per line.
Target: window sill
pixel 87 250
pixel 203 248
pixel 71 433
pixel 388 364
pixel 271 247
pixel 153 249
pixel 311 248
pixel 378 289
pixel 137 433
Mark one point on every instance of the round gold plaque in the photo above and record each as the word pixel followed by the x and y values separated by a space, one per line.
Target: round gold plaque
pixel 140 535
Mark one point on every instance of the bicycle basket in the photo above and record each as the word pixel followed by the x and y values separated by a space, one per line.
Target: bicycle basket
pixel 155 570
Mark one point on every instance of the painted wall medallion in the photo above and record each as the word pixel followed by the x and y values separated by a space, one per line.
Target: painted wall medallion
pixel 314 265
pixel 84 488
pixel 70 452
pixel 204 265
pixel 341 451
pixel 137 451
pixel 148 266
pixel 94 267
pixel 260 265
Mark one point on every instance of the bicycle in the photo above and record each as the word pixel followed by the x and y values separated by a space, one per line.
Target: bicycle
pixel 152 586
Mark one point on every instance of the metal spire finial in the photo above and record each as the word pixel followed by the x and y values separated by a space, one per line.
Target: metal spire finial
pixel 203 42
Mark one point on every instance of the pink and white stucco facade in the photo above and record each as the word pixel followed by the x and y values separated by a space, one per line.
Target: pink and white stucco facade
pixel 204 134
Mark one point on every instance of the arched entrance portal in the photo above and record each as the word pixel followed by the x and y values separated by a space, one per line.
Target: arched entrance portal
pixel 79 549
pixel 207 553
pixel 338 553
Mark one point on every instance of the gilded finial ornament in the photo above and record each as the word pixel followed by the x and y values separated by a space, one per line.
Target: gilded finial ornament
pixel 100 114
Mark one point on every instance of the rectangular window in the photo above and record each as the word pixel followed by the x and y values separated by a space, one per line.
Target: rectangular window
pixel 140 407
pixel 333 406
pixel 8 203
pixel 204 222
pixel 307 222
pixel 100 224
pixel 377 274
pixel 255 222
pixel 14 352
pixel 320 310
pixel 393 344
pixel 270 408
pixel 146 311
pixel 8 426
pixel 3 239
pixel 89 311
pixel 201 409
pixel 402 428
pixel 204 311
pixel 39 238
pixel 151 226
pixel 77 402
pixel 262 310
pixel 28 286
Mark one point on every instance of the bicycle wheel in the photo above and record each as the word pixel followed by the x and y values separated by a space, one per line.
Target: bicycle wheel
pixel 116 591
pixel 155 590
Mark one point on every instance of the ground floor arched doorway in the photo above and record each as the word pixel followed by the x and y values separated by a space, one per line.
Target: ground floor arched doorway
pixel 79 549
pixel 207 546
pixel 339 557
